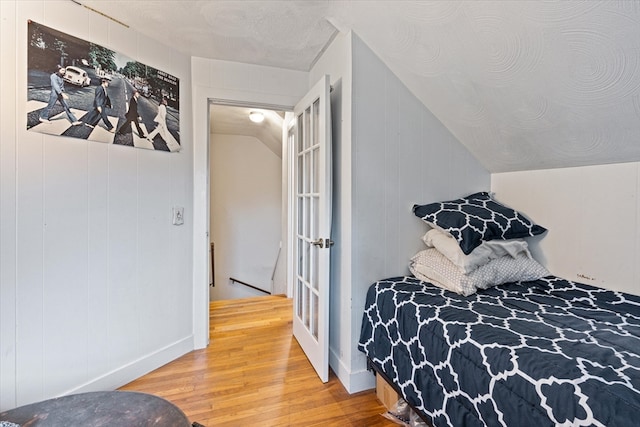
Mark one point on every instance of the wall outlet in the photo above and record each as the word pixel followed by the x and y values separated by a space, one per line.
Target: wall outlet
pixel 178 215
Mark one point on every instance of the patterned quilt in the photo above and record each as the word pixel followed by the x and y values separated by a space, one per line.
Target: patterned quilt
pixel 541 353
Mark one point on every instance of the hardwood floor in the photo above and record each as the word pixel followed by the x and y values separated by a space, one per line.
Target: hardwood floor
pixel 254 373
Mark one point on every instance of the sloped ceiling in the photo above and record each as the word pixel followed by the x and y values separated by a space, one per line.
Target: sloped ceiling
pixel 230 120
pixel 522 84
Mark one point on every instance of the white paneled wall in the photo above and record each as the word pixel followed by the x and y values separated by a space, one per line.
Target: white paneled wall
pixel 8 216
pixel 96 281
pixel 591 214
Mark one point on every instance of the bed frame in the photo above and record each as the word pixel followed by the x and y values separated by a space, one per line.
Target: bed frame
pixel 546 352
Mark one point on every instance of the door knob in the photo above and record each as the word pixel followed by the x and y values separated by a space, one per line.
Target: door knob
pixel 318 242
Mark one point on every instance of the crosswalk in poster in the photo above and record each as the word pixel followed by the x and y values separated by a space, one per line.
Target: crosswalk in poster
pixel 79 89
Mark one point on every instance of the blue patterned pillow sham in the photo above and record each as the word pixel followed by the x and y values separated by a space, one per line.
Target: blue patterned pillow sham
pixel 477 218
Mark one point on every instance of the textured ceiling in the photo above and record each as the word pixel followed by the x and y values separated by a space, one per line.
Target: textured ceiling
pixel 522 84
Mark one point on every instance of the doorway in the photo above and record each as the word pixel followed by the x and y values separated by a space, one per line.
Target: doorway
pixel 311 134
pixel 248 207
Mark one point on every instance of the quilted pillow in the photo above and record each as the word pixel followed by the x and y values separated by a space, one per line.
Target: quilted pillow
pixel 477 218
pixel 431 266
pixel 447 246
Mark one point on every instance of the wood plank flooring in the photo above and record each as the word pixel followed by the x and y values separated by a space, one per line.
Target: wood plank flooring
pixel 254 373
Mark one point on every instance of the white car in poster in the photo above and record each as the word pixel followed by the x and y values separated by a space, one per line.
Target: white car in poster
pixel 77 76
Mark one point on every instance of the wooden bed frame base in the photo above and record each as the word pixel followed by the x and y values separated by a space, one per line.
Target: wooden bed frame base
pixel 387 392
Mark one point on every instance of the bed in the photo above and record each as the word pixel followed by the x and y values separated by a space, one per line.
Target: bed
pixel 481 334
pixel 535 353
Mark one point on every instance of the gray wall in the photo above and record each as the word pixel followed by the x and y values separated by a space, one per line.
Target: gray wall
pixel 389 152
pixel 401 155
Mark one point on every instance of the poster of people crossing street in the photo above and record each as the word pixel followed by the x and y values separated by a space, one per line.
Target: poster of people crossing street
pixel 83 90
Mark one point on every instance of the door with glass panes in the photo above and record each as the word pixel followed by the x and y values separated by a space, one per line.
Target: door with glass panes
pixel 309 140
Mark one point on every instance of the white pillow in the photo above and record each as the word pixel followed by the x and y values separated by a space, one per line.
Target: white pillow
pixel 432 266
pixel 492 249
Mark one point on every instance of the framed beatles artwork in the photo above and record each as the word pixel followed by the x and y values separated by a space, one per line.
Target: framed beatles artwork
pixel 83 90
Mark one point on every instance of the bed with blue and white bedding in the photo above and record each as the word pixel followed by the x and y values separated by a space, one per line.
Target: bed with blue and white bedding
pixel 548 352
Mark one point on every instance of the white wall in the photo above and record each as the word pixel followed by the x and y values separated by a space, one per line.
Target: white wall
pixel 592 214
pixel 391 152
pixel 246 213
pixel 96 283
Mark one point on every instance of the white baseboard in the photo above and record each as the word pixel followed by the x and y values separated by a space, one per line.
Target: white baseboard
pixel 127 373
pixel 353 382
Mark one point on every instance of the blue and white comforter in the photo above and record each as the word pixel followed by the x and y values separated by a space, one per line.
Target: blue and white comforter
pixel 541 353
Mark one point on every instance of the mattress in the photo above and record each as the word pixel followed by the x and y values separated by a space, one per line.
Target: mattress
pixel 540 353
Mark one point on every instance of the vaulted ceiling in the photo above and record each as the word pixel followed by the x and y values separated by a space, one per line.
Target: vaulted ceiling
pixel 522 84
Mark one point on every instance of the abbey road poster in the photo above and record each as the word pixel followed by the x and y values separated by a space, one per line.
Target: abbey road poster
pixel 83 90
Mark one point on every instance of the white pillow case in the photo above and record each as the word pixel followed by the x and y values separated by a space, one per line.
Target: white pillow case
pixel 430 265
pixel 492 249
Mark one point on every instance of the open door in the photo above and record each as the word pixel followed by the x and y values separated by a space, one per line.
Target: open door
pixel 310 147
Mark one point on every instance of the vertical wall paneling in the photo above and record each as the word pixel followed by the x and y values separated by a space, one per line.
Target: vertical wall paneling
pixel 29 177
pixel 96 281
pixel 65 293
pixel 124 327
pixel 370 167
pixel 30 269
pixel 411 158
pixel 8 194
pixel 98 259
pixel 401 155
pixel 66 237
pixel 391 185
pixel 179 246
pixel 153 249
pixel 177 252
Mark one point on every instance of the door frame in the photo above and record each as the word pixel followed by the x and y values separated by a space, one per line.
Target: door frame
pixel 202 213
pixel 202 96
pixel 284 170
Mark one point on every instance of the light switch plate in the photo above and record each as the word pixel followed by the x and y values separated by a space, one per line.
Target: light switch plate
pixel 178 215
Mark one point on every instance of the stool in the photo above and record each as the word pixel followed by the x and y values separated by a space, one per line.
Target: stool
pixel 100 408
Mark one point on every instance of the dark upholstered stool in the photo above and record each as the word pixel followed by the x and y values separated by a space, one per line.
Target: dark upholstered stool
pixel 100 408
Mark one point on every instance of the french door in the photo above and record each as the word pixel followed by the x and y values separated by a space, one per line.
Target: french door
pixel 309 140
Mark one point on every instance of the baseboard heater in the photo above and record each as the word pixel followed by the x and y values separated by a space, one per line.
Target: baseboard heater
pixel 247 284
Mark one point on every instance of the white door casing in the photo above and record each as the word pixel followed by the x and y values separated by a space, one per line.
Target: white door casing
pixel 310 149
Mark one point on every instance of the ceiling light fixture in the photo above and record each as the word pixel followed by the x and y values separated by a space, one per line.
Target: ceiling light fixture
pixel 256 117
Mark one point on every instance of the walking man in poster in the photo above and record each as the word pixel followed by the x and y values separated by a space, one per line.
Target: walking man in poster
pixel 161 120
pixel 132 116
pixel 58 95
pixel 100 104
